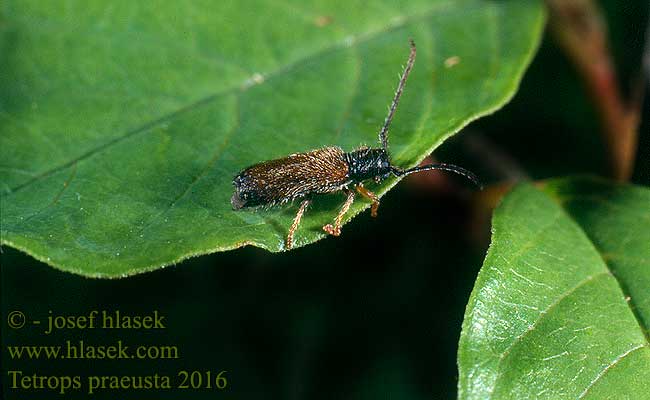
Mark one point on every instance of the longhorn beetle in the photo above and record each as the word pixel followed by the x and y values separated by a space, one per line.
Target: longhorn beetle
pixel 327 170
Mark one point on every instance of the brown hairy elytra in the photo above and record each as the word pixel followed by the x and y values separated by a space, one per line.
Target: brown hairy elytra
pixel 327 170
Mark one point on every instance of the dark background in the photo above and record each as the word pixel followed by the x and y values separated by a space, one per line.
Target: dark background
pixel 375 313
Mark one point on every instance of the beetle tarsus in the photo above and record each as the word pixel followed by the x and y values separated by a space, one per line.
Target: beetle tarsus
pixel 335 229
pixel 332 230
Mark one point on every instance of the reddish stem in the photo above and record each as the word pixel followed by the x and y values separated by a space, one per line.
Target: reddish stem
pixel 581 31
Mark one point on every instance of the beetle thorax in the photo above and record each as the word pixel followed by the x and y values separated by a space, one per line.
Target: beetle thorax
pixel 364 164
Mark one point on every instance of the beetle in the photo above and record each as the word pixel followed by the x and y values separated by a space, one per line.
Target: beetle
pixel 328 170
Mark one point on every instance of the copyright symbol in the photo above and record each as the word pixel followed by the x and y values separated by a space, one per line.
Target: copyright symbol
pixel 16 319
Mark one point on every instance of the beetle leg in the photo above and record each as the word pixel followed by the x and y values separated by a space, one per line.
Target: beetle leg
pixel 336 229
pixel 370 196
pixel 296 222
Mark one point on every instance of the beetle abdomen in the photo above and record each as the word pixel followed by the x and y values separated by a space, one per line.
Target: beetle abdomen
pixel 277 181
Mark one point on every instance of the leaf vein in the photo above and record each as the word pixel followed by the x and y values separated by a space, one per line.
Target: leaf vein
pixel 217 154
pixel 540 317
pixel 66 184
pixel 609 368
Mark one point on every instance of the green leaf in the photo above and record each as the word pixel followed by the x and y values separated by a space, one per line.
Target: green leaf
pixel 122 124
pixel 561 307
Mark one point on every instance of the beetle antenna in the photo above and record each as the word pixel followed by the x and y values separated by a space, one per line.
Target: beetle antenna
pixel 383 134
pixel 440 166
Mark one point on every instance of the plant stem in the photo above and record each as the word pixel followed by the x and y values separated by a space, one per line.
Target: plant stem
pixel 581 31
